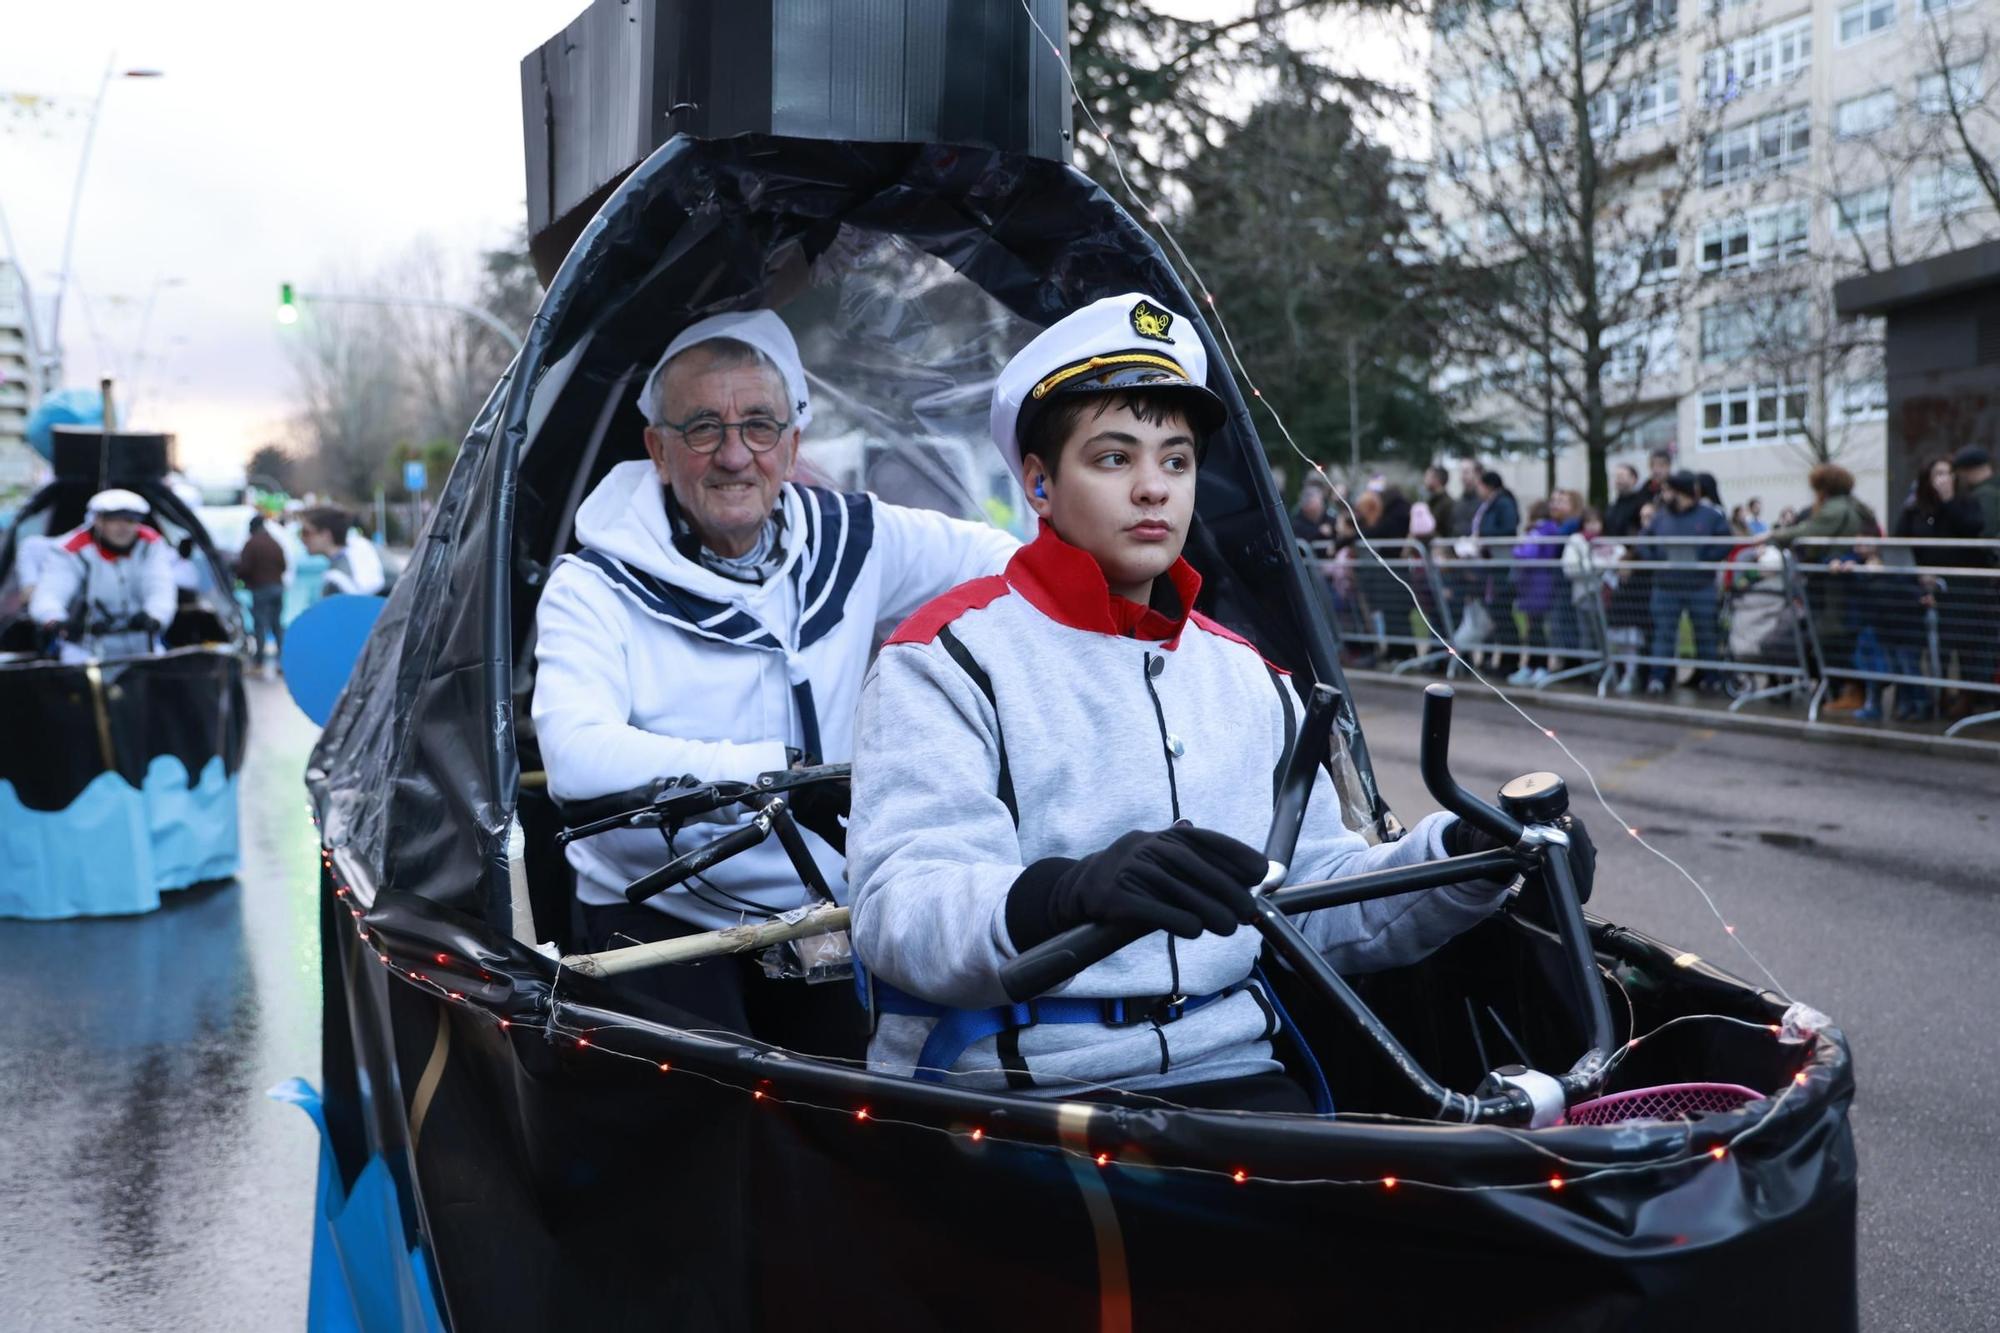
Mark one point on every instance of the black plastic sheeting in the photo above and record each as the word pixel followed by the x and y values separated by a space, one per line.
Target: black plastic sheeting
pixel 559 1184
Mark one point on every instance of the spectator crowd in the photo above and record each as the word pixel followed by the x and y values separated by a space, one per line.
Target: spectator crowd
pixel 1676 589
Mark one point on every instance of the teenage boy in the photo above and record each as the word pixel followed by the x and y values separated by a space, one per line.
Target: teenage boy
pixel 1070 741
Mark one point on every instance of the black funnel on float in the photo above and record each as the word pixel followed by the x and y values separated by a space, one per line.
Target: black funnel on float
pixel 627 75
pixel 130 459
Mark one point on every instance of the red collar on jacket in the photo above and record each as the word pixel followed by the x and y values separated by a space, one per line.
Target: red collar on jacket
pixel 1064 583
pixel 87 536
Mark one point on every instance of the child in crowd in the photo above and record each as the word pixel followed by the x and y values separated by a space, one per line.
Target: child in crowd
pixel 1071 741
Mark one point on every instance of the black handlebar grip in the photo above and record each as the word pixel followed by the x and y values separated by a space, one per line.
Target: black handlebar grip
pixel 1308 753
pixel 1434 763
pixel 1054 961
pixel 698 860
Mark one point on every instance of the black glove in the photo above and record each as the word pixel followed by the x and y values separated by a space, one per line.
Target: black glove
pixel 1185 880
pixel 1462 839
pixel 819 806
pixel 144 623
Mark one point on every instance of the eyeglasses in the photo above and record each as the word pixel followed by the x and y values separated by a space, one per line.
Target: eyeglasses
pixel 705 435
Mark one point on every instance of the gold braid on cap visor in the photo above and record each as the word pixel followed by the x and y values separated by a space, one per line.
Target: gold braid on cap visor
pixel 1095 363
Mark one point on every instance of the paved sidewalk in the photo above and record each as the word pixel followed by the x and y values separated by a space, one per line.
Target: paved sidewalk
pixel 1782 717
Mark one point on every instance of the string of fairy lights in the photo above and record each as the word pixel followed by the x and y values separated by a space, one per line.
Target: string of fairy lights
pixel 1154 216
pixel 1565 1171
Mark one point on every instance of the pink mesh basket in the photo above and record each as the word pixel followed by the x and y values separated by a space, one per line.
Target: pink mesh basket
pixel 1669 1101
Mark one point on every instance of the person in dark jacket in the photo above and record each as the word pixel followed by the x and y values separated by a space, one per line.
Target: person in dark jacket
pixel 1688 591
pixel 1967 609
pixel 1437 497
pixel 261 567
pixel 1974 467
pixel 1621 519
pixel 1311 522
pixel 1495 523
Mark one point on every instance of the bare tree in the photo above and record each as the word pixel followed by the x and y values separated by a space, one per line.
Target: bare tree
pixel 1563 173
pixel 353 405
pixel 452 362
pixel 1959 103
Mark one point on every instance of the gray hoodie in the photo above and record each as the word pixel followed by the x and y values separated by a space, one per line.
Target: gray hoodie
pixel 1113 720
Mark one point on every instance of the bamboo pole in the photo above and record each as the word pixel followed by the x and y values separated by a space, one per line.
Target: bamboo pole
pixel 822 920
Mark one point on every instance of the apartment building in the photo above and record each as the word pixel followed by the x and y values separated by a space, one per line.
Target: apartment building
pixel 1767 149
pixel 18 463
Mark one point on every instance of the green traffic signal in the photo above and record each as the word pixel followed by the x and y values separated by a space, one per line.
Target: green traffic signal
pixel 288 310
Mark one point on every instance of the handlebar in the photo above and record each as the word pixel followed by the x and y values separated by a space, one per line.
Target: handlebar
pixel 676 800
pixel 701 858
pixel 1433 763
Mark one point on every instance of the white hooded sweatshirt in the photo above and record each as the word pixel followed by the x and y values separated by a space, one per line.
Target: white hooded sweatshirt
pixel 650 665
pixel 83 580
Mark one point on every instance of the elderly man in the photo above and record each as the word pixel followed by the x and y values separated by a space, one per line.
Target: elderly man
pixel 717 622
pixel 108 588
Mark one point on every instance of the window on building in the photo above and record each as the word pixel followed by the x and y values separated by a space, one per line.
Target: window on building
pixel 1661 260
pixel 1933 6
pixel 1960 86
pixel 1774 234
pixel 1652 99
pixel 1860 212
pixel 1870 113
pixel 1750 414
pixel 1643 348
pixel 1858 400
pixel 1944 193
pixel 1864 18
pixel 1770 143
pixel 1613 26
pixel 1771 324
pixel 1770 55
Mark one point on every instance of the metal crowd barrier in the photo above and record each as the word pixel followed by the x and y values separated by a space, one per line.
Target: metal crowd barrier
pixel 1760 623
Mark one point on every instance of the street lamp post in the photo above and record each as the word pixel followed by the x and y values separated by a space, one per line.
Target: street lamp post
pixel 289 297
pixel 52 364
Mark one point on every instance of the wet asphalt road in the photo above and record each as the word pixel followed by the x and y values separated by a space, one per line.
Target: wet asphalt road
pixel 1866 882
pixel 145 1180
pixel 147 1183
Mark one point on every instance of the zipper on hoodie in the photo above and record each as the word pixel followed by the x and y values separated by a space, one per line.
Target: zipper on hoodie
pixel 1152 667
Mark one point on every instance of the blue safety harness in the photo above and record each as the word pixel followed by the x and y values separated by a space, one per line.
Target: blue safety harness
pixel 955 1030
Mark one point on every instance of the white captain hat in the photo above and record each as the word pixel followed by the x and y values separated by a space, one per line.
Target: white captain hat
pixel 764 330
pixel 118 501
pixel 1117 344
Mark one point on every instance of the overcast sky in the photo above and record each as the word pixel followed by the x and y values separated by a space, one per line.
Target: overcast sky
pixel 286 142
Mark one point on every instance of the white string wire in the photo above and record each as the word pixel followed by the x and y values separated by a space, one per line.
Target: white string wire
pixel 1221 326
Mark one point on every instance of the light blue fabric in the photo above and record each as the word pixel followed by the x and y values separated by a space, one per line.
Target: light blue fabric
pixel 116 849
pixel 364 1278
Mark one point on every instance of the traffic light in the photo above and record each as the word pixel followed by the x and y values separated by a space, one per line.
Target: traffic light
pixel 288 310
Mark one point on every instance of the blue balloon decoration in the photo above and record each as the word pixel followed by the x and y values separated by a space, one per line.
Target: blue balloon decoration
pixel 321 647
pixel 64 407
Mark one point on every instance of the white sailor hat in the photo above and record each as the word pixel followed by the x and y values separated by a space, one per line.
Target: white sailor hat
pixel 117 501
pixel 1119 343
pixel 761 329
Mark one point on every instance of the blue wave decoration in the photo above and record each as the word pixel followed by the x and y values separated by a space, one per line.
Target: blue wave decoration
pixel 116 849
pixel 365 1279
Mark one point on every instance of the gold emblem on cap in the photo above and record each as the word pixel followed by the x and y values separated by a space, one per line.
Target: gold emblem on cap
pixel 1149 321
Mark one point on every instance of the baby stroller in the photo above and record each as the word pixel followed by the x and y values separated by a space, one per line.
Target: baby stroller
pixel 1763 626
